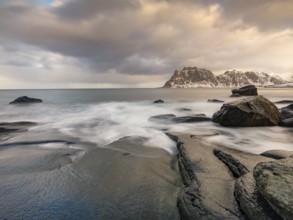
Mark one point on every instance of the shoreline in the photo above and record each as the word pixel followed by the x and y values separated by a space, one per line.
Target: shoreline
pixel 213 184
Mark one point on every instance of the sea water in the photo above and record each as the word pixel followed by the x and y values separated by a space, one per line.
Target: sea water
pixel 94 153
pixel 102 116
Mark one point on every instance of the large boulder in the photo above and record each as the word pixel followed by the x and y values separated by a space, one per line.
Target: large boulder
pixel 253 205
pixel 249 90
pixel 25 100
pixel 274 182
pixel 253 111
pixel 286 115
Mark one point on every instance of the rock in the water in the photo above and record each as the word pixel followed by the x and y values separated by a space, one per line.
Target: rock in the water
pixel 249 90
pixel 215 100
pixel 277 154
pixel 162 118
pixel 191 119
pixel 158 101
pixel 25 100
pixel 253 111
pixel 284 102
pixel 286 116
pixel 185 109
pixel 274 181
pixel 254 206
pixel 171 118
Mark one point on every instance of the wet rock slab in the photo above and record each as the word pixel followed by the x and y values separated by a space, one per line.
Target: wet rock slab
pixel 277 154
pixel 274 181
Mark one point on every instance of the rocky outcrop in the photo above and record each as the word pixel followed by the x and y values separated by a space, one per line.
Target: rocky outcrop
pixel 274 181
pixel 158 101
pixel 251 202
pixel 233 164
pixel 25 100
pixel 210 191
pixel 192 77
pixel 254 111
pixel 249 90
pixel 286 116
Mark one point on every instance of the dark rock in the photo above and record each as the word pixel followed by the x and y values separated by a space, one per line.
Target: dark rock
pixel 215 100
pixel 274 182
pixel 8 127
pixel 248 90
pixel 162 118
pixel 184 109
pixel 7 130
pixel 252 204
pixel 158 101
pixel 277 154
pixel 171 118
pixel 234 165
pixel 254 111
pixel 286 116
pixel 284 102
pixel 191 119
pixel 18 124
pixel 189 200
pixel 236 94
pixel 25 100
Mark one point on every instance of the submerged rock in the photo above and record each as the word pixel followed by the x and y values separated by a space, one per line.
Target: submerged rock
pixel 277 154
pixel 253 205
pixel 25 100
pixel 286 116
pixel 158 101
pixel 215 100
pixel 248 90
pixel 171 118
pixel 284 102
pixel 254 111
pixel 274 181
pixel 191 119
pixel 162 118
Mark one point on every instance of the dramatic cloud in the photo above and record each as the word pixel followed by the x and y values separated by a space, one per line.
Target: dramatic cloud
pixel 88 43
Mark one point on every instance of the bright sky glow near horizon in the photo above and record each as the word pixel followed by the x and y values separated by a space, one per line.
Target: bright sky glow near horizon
pixel 139 43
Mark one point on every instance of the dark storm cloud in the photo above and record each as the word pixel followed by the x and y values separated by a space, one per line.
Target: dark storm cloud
pixel 149 37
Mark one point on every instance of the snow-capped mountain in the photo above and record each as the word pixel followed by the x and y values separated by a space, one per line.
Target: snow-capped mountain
pixel 192 77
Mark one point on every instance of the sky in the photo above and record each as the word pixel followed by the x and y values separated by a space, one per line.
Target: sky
pixel 139 43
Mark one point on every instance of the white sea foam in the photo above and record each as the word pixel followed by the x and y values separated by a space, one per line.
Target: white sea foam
pixel 104 123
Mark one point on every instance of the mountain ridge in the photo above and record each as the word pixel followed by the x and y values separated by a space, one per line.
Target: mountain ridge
pixel 194 77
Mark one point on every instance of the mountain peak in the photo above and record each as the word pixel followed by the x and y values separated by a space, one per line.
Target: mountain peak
pixel 192 77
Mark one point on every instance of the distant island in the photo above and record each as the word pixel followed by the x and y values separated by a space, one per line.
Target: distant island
pixel 193 77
